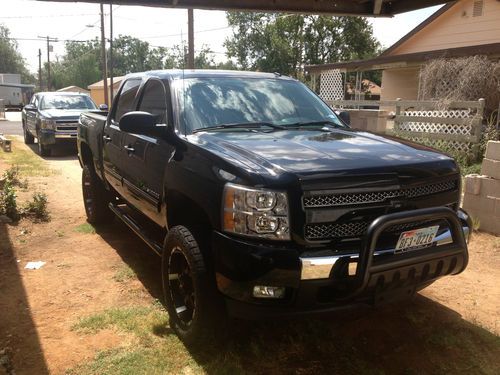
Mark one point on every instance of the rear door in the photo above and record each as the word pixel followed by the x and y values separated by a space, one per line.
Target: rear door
pixel 114 157
pixel 147 156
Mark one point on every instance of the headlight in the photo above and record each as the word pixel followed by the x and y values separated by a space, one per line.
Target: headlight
pixel 255 212
pixel 47 124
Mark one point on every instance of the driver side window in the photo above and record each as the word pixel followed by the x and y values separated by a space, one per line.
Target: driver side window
pixel 154 100
pixel 126 99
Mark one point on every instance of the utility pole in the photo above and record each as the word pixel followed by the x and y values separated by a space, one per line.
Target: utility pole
pixel 40 68
pixel 190 62
pixel 49 39
pixel 111 53
pixel 103 56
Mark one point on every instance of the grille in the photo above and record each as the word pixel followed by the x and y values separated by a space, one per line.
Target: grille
pixel 72 128
pixel 350 229
pixel 347 199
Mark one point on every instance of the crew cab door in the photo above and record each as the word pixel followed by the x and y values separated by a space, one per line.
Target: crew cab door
pixel 147 156
pixel 114 157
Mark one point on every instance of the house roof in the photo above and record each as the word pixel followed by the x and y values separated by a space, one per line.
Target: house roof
pixel 419 27
pixel 339 7
pixel 100 84
pixel 492 49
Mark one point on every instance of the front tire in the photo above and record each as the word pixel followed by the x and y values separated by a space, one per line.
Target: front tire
pixel 95 198
pixel 192 302
pixel 43 150
pixel 28 137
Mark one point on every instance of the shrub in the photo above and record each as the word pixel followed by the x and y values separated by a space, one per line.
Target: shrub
pixel 8 203
pixel 37 207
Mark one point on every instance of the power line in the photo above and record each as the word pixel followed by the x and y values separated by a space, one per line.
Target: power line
pixel 48 16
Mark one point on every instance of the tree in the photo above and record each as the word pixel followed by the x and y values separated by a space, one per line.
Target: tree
pixel 285 43
pixel 11 60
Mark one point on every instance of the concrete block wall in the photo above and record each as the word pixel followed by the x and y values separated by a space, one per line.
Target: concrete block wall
pixel 482 192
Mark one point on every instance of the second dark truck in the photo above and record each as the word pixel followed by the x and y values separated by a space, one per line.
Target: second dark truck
pixel 261 202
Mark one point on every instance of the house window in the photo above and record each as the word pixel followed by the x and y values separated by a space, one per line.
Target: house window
pixel 477 8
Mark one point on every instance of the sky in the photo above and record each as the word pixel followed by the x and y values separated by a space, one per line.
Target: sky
pixel 29 19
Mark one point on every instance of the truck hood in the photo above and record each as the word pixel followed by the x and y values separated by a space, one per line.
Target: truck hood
pixel 62 114
pixel 309 152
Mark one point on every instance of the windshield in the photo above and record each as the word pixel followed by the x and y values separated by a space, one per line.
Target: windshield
pixel 67 102
pixel 207 102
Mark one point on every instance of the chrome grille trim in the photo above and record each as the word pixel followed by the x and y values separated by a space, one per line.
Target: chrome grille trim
pixel 347 199
pixel 350 229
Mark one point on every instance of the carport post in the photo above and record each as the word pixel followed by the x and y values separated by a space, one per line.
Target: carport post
pixel 190 61
pixel 104 62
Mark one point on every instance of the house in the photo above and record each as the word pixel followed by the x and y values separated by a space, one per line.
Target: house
pixel 74 89
pixel 97 89
pixel 457 29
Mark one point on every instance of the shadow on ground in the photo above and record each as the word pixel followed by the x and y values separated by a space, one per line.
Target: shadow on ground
pixel 61 151
pixel 419 336
pixel 20 346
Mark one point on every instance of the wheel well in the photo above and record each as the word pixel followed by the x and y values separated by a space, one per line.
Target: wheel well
pixel 182 210
pixel 86 155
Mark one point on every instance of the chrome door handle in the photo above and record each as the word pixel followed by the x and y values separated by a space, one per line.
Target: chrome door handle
pixel 106 138
pixel 129 149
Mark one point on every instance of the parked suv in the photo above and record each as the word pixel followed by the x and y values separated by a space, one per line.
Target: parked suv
pixel 261 202
pixel 52 117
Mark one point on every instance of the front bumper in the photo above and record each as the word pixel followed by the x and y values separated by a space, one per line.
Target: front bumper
pixel 319 281
pixel 50 137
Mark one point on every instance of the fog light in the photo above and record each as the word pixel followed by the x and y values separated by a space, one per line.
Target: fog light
pixel 261 291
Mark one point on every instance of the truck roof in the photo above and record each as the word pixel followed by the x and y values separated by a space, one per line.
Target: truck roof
pixel 206 73
pixel 61 93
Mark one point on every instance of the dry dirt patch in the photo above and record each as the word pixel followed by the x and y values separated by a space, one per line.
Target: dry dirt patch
pixel 93 308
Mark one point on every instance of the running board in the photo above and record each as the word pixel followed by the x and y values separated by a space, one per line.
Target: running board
pixel 136 228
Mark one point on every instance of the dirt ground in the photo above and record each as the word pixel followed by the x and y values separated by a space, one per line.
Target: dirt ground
pixel 38 308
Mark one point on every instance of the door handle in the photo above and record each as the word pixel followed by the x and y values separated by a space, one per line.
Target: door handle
pixel 129 149
pixel 106 138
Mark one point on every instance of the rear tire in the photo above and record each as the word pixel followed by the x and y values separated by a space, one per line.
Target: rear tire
pixel 95 198
pixel 194 306
pixel 28 137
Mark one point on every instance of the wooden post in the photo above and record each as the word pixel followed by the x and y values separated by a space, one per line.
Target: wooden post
pixel 398 113
pixel 103 57
pixel 190 62
pixel 40 69
pixel 111 84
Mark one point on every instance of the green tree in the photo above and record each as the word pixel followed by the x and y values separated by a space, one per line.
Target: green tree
pixel 11 60
pixel 285 43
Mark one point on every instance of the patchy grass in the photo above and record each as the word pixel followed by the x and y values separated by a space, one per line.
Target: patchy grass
pixel 413 339
pixel 29 163
pixel 139 320
pixel 85 228
pixel 124 273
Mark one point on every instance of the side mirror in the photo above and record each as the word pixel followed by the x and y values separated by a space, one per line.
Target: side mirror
pixel 139 123
pixel 145 123
pixel 345 117
pixel 30 107
pixel 103 107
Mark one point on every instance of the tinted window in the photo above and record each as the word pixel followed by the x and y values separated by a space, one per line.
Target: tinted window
pixel 214 101
pixel 126 99
pixel 66 102
pixel 154 100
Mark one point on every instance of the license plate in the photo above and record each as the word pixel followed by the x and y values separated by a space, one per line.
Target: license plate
pixel 416 239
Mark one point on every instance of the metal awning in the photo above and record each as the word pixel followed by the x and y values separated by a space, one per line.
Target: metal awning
pixel 377 8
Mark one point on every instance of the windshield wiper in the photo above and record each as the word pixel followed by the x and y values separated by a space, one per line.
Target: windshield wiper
pixel 314 123
pixel 242 125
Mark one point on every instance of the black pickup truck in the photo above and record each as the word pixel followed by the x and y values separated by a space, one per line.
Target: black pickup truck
pixel 262 202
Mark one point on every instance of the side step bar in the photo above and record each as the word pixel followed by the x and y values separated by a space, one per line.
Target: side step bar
pixel 131 223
